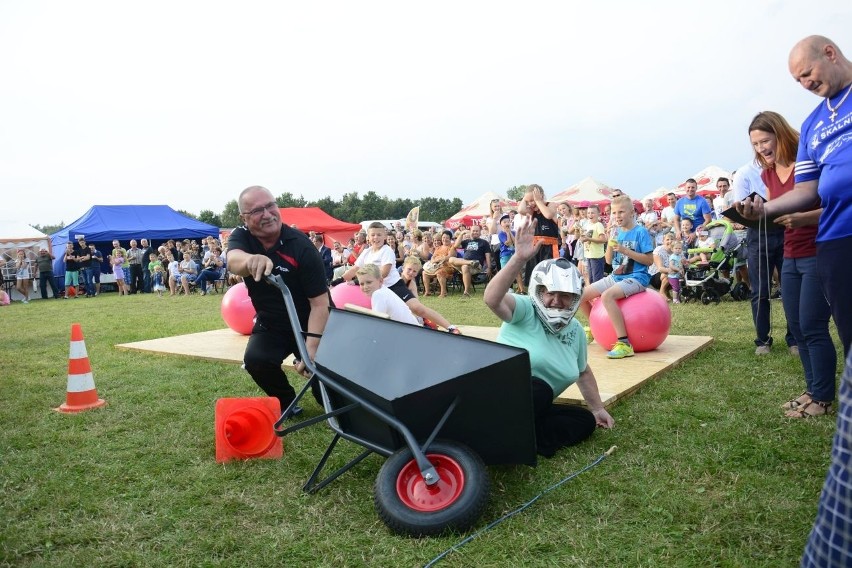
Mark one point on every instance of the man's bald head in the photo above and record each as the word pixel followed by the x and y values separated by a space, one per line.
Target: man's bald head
pixel 819 66
pixel 812 46
pixel 252 190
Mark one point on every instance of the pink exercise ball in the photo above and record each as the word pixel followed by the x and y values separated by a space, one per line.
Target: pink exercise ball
pixel 237 309
pixel 343 294
pixel 647 318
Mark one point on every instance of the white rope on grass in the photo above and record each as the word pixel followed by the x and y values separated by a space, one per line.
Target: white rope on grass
pixel 521 508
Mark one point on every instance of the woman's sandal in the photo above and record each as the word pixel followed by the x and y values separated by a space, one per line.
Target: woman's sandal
pixel 813 409
pixel 801 400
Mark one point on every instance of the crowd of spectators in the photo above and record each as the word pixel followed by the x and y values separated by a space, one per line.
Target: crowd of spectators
pixel 177 266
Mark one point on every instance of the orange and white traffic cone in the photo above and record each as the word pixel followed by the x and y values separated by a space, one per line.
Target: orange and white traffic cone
pixel 81 394
pixel 245 428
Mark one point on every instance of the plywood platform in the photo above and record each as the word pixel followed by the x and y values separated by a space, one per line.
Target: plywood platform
pixel 616 378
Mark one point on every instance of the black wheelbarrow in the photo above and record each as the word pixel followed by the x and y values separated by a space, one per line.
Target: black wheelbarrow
pixel 439 418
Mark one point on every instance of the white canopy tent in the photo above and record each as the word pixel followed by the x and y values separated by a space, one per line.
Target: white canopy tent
pixel 588 190
pixel 706 180
pixel 14 236
pixel 478 209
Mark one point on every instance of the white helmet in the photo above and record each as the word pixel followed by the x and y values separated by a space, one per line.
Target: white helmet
pixel 557 275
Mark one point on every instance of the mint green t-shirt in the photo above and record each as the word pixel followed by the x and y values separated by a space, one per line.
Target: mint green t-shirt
pixel 556 359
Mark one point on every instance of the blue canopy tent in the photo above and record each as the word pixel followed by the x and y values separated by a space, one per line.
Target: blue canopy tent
pixel 103 223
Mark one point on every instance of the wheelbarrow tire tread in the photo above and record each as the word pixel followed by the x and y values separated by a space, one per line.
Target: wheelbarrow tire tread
pixel 459 515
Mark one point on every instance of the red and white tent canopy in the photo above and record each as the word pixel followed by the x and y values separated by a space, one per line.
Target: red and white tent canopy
pixel 478 209
pixel 588 190
pixel 706 180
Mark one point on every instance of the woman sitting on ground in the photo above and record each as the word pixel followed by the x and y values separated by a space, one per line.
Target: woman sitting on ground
pixel 543 323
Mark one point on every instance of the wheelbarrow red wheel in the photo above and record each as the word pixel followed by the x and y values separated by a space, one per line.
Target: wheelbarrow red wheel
pixel 408 506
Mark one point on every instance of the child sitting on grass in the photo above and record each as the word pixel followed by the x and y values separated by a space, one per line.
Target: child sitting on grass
pixel 383 299
pixel 630 254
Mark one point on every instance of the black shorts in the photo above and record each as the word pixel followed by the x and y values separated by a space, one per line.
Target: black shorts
pixel 401 290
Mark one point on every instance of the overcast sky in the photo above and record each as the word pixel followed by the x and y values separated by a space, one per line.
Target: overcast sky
pixel 187 103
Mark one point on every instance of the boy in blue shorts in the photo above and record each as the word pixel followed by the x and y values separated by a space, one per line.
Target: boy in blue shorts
pixel 630 254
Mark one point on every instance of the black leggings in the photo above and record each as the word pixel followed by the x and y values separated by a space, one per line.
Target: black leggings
pixel 558 425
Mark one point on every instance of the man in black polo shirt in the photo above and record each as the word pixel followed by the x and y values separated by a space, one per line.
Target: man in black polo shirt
pixel 261 247
pixel 475 249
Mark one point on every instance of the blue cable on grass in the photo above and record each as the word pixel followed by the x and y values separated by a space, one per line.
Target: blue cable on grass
pixel 521 508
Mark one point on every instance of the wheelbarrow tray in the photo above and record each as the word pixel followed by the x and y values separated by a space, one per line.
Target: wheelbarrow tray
pixel 414 374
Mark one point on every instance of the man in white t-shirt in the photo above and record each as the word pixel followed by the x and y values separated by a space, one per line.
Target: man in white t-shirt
pixel 648 216
pixel 725 198
pixel 667 216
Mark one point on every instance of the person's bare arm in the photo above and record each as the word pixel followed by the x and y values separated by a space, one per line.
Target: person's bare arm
pixel 803 197
pixel 589 389
pixel 645 258
pixel 255 266
pixel 794 220
pixel 497 296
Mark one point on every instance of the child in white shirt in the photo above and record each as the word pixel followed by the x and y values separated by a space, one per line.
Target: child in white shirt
pixel 382 299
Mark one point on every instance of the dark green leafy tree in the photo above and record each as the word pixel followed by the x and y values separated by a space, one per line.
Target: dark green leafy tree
pixel 207 216
pixel 287 199
pixel 187 214
pixel 516 193
pixel 49 229
pixel 230 216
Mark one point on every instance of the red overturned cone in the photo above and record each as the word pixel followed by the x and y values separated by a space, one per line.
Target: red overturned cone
pixel 245 428
pixel 81 393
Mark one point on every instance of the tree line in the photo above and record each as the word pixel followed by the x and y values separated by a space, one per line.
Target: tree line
pixel 351 208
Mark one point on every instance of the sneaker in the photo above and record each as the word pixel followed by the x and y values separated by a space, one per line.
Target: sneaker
pixel 675 301
pixel 25 301
pixel 429 323
pixel 589 336
pixel 794 350
pixel 620 350
pixel 454 330
pixel 762 350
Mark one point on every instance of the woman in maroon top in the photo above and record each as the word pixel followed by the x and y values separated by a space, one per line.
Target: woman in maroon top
pixel 775 144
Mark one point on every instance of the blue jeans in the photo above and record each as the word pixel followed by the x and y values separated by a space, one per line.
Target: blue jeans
pixel 807 316
pixel 765 255
pixel 835 273
pixel 146 280
pixel 207 276
pixel 86 281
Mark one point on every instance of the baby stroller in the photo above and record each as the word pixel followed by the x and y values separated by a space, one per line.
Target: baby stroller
pixel 708 283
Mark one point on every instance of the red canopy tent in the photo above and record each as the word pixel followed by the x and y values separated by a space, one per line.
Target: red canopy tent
pixel 315 219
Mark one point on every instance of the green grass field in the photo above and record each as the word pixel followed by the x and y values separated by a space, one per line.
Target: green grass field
pixel 707 472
